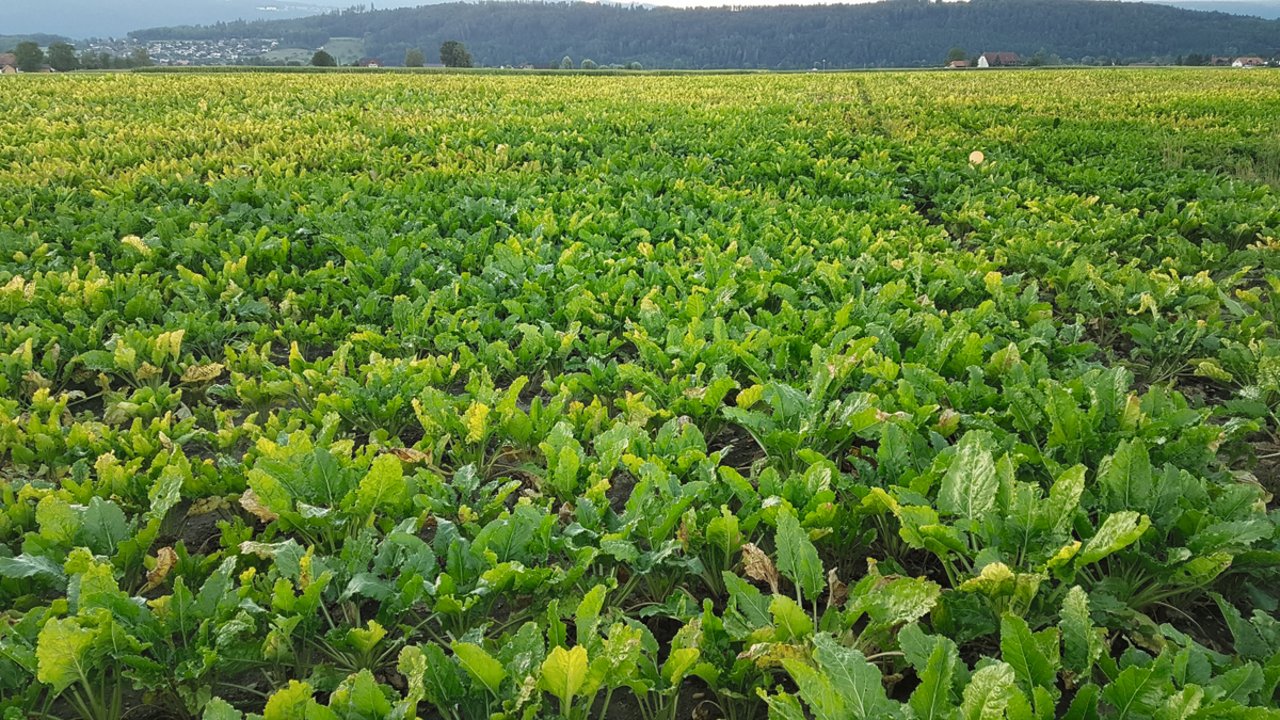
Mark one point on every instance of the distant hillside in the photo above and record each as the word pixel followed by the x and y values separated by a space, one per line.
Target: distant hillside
pixel 1258 8
pixel 105 18
pixel 9 42
pixel 898 33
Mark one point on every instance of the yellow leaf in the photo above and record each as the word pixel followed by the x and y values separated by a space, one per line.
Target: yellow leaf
pixel 202 373
pixel 166 558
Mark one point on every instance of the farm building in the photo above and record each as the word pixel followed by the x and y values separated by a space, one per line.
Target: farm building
pixel 8 63
pixel 1000 59
pixel 1248 61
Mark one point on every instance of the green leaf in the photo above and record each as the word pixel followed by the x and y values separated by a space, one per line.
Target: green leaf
pixel 1064 500
pixel 587 618
pixel 439 680
pixel 1018 648
pixel 723 533
pixel 970 485
pixel 564 672
pixel 360 697
pixel 1182 705
pixel 988 693
pixel 564 457
pixel 58 521
pixel 798 558
pixel 295 702
pixel 63 650
pixel 932 697
pixel 1238 684
pixel 165 492
pixel 1136 691
pixel 791 621
pixel 25 566
pixel 383 487
pixel 1077 632
pixel 103 526
pixel 896 602
pixel 1249 641
pixel 481 665
pixel 1125 477
pixel 678 665
pixel 858 681
pixel 817 690
pixel 1084 706
pixel 784 707
pixel 1118 531
pixel 219 709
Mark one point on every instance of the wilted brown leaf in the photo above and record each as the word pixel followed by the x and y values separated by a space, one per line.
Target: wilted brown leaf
pixel 207 505
pixel 759 566
pixel 837 591
pixel 410 455
pixel 166 558
pixel 249 501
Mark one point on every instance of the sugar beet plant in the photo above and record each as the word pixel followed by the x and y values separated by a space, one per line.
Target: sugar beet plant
pixel 339 397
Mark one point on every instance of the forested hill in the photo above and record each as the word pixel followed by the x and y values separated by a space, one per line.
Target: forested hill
pixel 898 33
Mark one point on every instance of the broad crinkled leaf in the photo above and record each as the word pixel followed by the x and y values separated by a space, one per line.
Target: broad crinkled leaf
pixel 383 487
pixel 295 702
pixel 858 681
pixel 564 672
pixel 63 653
pixel 1118 531
pixel 166 491
pixel 1064 499
pixel 988 693
pixel 1078 645
pixel 969 487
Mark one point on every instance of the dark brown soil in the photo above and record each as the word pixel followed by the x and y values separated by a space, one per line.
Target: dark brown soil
pixel 693 703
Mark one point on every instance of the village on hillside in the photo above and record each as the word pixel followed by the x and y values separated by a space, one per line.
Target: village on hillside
pixel 127 53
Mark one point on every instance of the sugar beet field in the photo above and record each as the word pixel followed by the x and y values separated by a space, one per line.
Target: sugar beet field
pixel 936 396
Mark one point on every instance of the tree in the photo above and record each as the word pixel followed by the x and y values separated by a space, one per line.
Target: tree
pixel 956 53
pixel 414 58
pixel 589 64
pixel 30 57
pixel 566 63
pixel 454 55
pixel 140 58
pixel 62 57
pixel 323 59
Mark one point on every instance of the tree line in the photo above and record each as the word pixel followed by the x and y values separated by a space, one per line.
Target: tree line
pixel 896 33
pixel 62 57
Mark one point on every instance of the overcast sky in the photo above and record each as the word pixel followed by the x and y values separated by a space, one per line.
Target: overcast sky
pixel 102 18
